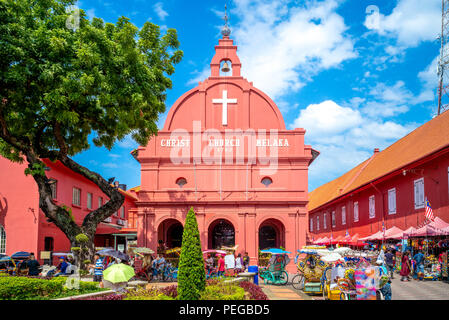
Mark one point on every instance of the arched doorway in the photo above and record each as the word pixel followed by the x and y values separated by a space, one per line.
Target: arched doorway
pixel 221 234
pixel 271 234
pixel 170 233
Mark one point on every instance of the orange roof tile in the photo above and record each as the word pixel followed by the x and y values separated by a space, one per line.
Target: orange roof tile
pixel 423 141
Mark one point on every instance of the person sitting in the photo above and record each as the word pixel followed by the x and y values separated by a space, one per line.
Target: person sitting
pixel 33 266
pixel 62 267
pixel 246 261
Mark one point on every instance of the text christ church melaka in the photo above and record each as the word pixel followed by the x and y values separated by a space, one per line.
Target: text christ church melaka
pixel 225 151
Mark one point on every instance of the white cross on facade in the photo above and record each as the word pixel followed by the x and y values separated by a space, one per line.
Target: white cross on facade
pixel 224 101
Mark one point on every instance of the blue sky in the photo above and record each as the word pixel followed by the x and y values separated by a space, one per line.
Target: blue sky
pixel 356 74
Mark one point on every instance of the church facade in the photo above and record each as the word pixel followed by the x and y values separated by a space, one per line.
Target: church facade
pixel 225 151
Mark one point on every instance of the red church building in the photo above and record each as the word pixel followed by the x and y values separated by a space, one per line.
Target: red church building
pixel 24 227
pixel 225 151
pixel 388 189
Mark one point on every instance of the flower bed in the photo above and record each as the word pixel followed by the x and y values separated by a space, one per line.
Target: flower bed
pixel 215 290
pixel 33 288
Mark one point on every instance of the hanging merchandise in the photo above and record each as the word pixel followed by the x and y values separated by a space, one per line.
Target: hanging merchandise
pixel 365 283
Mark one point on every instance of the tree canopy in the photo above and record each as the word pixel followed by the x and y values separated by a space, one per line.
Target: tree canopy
pixel 58 85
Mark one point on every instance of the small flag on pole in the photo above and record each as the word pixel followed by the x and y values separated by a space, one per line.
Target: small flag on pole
pixel 429 212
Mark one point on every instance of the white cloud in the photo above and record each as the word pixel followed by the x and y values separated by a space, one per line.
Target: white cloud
pixel 327 118
pixel 388 101
pixel 127 143
pixel 90 14
pixel 411 22
pixel 429 81
pixel 344 136
pixel 282 46
pixel 161 13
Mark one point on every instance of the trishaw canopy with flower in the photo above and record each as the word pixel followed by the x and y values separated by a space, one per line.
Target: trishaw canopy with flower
pixel 275 272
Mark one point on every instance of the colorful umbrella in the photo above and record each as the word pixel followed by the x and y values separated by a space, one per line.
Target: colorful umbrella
pixel 21 255
pixel 118 273
pixel 214 251
pixel 114 253
pixel 275 251
pixel 142 250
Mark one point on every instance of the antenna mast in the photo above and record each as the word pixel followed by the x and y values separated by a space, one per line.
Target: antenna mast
pixel 444 56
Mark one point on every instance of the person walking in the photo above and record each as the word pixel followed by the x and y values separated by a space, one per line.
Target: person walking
pixel 389 261
pixel 405 266
pixel 419 260
pixel 98 269
pixel 221 266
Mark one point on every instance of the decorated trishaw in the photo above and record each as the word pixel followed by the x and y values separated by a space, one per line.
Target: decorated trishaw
pixel 275 272
pixel 354 277
pixel 311 270
pixel 7 265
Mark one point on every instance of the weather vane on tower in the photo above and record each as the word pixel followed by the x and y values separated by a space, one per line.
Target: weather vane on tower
pixel 226 31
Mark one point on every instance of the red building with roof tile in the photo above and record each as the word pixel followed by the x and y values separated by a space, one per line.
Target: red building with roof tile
pixel 388 189
pixel 24 227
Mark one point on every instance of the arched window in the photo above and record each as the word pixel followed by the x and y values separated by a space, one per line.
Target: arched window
pixel 2 240
pixel 181 182
pixel 266 181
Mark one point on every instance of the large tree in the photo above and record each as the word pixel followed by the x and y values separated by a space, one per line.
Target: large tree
pixel 61 82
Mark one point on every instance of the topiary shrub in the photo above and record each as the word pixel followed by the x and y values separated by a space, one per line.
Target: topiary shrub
pixel 191 272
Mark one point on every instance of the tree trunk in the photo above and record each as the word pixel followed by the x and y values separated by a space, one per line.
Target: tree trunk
pixel 63 218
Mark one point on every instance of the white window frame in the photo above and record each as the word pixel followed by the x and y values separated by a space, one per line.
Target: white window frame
pixel 324 221
pixel 334 221
pixel 356 211
pixel 311 225
pixel 419 193
pixel 372 207
pixel 122 212
pixel 343 215
pixel 317 223
pixel 100 202
pixel 392 201
pixel 76 198
pixel 2 240
pixel 89 197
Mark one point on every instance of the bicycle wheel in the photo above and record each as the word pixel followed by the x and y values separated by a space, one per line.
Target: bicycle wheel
pixel 298 282
pixel 283 278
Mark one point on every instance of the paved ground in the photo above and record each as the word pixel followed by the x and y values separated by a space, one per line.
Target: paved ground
pixel 419 290
pixel 407 290
pixel 283 292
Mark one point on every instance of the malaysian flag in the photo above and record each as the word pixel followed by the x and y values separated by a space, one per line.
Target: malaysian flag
pixel 429 212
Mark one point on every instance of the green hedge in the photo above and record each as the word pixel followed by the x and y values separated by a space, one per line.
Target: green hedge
pixel 156 297
pixel 223 292
pixel 23 288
